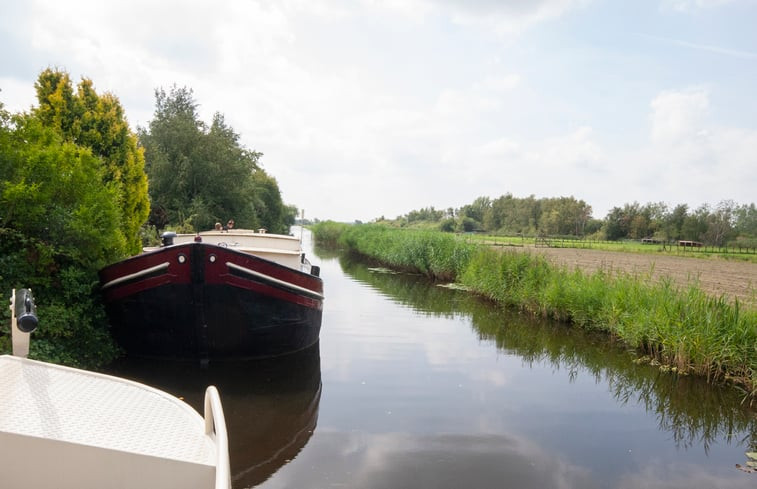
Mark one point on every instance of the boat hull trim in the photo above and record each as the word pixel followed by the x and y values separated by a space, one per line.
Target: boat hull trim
pixel 206 301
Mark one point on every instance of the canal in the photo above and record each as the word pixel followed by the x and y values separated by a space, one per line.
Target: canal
pixel 420 386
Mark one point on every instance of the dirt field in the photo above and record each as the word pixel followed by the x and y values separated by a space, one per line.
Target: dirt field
pixel 715 276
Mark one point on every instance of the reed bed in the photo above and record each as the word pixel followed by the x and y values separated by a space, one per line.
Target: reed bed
pixel 684 330
pixel 327 233
pixel 437 255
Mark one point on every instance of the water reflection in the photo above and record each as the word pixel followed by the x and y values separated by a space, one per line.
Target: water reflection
pixel 439 461
pixel 433 388
pixel 271 405
pixel 689 409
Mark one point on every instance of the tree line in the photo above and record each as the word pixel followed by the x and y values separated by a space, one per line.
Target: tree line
pixel 79 189
pixel 200 174
pixel 726 223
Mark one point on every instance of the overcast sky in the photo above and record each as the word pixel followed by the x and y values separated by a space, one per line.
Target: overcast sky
pixel 370 108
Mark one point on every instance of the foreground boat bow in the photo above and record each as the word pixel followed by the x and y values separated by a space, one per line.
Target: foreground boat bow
pixel 65 428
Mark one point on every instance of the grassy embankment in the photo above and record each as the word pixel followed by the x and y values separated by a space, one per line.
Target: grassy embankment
pixel 627 246
pixel 683 329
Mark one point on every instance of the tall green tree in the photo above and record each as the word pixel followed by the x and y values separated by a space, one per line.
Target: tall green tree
pixel 202 174
pixel 695 224
pixel 427 214
pixel 720 223
pixel 672 222
pixel 564 216
pixel 98 122
pixel 746 220
pixel 625 222
pixel 270 209
pixel 59 223
pixel 53 190
pixel 471 217
pixel 170 145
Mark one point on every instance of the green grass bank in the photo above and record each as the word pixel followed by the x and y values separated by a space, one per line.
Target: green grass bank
pixel 683 329
pixel 746 254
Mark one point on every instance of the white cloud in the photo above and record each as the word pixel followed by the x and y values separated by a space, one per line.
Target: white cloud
pixel 736 53
pixel 546 167
pixel 678 115
pixel 16 95
pixel 327 135
pixel 681 476
pixel 508 17
pixel 576 151
pixel 500 149
pixel 689 158
pixel 457 103
pixel 413 9
pixel 501 83
pixel 693 5
pixel 362 459
pixel 374 108
pixel 502 16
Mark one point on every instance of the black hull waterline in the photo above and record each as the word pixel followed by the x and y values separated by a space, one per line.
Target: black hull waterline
pixel 200 301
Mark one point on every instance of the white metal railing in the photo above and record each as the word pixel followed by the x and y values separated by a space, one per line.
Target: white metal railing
pixel 274 280
pixel 215 427
pixel 146 271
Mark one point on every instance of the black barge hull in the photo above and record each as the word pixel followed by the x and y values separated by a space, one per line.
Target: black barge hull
pixel 207 302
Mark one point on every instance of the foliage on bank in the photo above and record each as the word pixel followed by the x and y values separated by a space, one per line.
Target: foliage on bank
pixel 201 174
pixel 727 223
pixel 63 215
pixel 98 123
pixel 682 329
pixel 74 197
pixel 327 233
pixel 440 256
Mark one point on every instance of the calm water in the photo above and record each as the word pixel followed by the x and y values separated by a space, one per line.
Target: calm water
pixel 419 386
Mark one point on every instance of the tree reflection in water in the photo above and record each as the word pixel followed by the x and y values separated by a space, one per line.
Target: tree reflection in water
pixel 690 409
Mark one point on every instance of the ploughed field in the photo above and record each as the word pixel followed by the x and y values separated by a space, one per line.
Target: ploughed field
pixel 715 276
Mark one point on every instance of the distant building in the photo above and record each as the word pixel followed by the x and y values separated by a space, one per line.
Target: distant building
pixel 692 244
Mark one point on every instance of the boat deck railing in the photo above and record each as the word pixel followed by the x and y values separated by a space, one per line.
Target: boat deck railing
pixel 215 428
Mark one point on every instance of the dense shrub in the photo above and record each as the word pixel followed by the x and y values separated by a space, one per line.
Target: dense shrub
pixel 441 256
pixel 59 223
pixel 327 233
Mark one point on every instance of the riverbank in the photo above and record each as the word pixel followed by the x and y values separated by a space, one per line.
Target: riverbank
pixel 715 276
pixel 683 329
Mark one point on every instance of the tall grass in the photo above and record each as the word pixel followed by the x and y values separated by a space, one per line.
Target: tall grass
pixel 440 256
pixel 682 329
pixel 327 233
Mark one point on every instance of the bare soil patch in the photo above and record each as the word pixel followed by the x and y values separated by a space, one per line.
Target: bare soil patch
pixel 715 276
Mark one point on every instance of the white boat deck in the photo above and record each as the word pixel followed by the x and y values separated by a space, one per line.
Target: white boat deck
pixel 282 249
pixel 62 427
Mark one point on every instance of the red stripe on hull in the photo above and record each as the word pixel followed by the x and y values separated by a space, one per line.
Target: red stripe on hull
pixel 180 271
pixel 187 301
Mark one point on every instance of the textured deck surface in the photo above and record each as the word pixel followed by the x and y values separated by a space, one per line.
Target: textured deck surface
pixel 48 401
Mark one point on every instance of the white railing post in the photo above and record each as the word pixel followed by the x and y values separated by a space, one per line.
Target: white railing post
pixel 215 427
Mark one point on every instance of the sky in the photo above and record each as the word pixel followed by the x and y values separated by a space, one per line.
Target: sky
pixel 366 108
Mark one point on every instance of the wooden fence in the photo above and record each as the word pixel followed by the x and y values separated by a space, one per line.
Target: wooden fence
pixel 735 250
pixel 679 247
